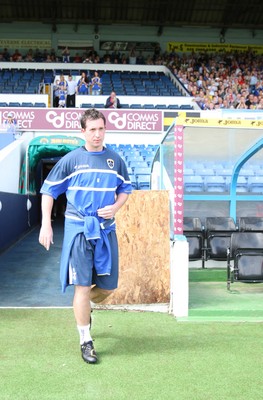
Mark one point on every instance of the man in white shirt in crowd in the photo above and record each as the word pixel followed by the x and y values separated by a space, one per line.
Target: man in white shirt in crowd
pixel 71 92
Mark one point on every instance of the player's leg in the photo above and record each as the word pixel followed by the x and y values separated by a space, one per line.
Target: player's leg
pixel 80 275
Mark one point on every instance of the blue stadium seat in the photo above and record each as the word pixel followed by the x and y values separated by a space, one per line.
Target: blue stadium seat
pixel 204 171
pixel 99 105
pixel 39 104
pixel 215 183
pixel 186 107
pixel 242 184
pixel 26 104
pixel 246 172
pixel 255 184
pixel 188 171
pixel 143 176
pixel 193 183
pixel 173 107
pixel 160 106
pixel 135 106
pixel 14 104
pixel 138 164
pixel 86 105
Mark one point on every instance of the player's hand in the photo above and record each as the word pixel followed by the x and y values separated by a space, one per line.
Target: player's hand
pixel 107 212
pixel 46 237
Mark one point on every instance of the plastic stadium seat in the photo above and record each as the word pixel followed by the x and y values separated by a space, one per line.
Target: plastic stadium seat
pixel 135 106
pixel 246 172
pixel 26 104
pixel 132 158
pixel 188 171
pixel 14 104
pixel 3 104
pixel 255 184
pixel 248 224
pixel 193 183
pixel 218 234
pixel 138 164
pixel 148 106
pixel 99 105
pixel 204 171
pixel 195 235
pixel 242 184
pixel 38 104
pixel 186 107
pixel 160 106
pixel 86 105
pixel 215 184
pixel 173 107
pixel 246 253
pixel 143 177
pixel 30 90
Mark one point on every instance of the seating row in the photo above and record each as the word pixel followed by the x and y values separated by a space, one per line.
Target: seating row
pixel 23 104
pixel 136 106
pixel 221 184
pixel 223 240
pixel 123 83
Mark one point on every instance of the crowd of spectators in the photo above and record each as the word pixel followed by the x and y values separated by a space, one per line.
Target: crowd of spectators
pixel 221 80
pixel 227 80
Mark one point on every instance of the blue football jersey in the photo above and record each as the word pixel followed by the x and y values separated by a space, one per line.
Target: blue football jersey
pixel 90 180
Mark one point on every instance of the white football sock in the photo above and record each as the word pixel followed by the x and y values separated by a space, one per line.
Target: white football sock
pixel 84 333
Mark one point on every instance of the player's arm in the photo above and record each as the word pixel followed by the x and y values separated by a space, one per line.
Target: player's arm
pixel 109 212
pixel 46 231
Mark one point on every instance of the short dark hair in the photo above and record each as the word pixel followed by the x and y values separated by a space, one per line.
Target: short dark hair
pixel 91 115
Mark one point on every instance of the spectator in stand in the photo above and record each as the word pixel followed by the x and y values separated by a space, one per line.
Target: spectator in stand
pixel 242 103
pixel 48 59
pixel 62 93
pixel 38 56
pixel 77 58
pixel 140 59
pixel 96 84
pixel 60 90
pixel 56 90
pixel 71 92
pixel 132 57
pixel 63 83
pixel 66 55
pixel 112 101
pixel 10 125
pixel 53 55
pixel 16 56
pixel 6 54
pixel 83 84
pixel 249 100
pixel 115 56
pixel 29 57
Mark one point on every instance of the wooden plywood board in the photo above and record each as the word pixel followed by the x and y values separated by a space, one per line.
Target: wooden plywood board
pixel 143 230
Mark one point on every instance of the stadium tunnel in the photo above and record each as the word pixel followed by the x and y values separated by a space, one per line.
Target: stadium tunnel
pixel 21 211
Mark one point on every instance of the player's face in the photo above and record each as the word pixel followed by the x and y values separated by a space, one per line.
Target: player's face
pixel 94 135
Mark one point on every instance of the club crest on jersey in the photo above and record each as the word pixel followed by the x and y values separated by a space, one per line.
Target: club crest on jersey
pixel 110 163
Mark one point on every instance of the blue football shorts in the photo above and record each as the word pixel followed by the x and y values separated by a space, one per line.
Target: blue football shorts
pixel 81 264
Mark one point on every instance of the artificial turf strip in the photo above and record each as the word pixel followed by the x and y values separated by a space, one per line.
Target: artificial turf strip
pixel 142 356
pixel 207 275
